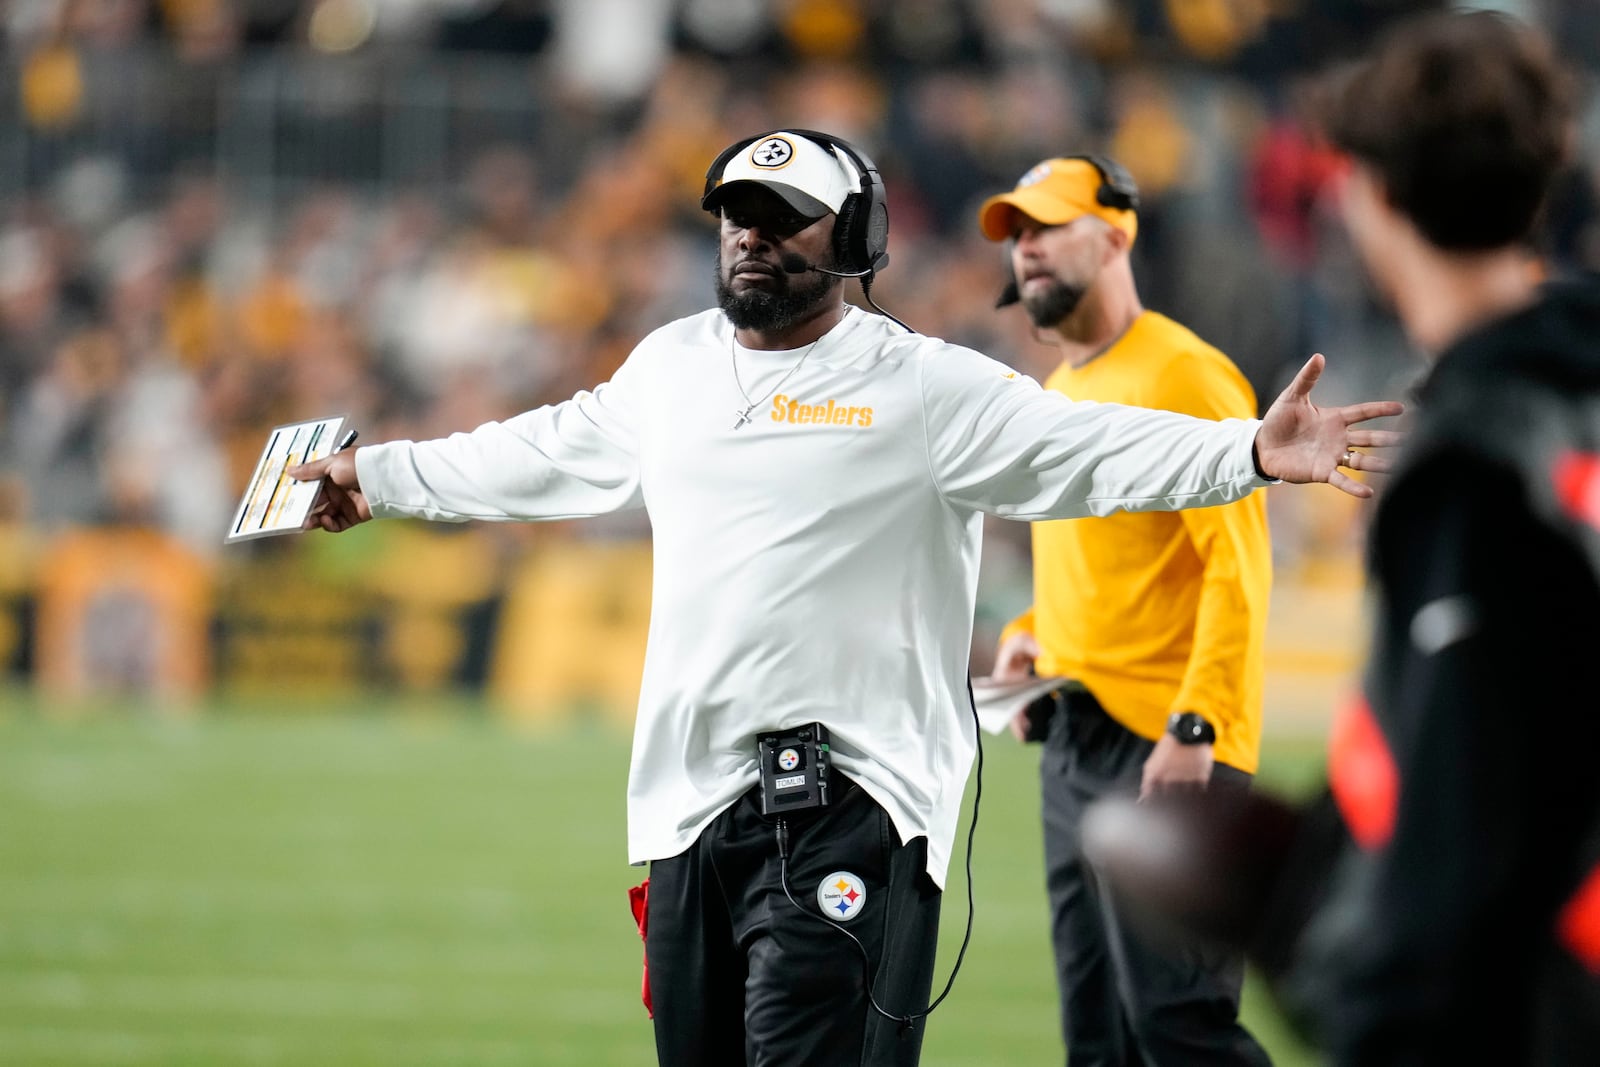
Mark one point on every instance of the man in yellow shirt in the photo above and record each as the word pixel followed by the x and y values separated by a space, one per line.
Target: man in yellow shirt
pixel 1155 622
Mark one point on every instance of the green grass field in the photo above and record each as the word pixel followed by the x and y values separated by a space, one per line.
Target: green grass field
pixel 342 888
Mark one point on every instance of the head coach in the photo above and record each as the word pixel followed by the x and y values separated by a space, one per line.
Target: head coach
pixel 816 478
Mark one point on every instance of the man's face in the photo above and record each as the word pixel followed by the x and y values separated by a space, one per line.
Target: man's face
pixel 1373 226
pixel 1055 265
pixel 758 230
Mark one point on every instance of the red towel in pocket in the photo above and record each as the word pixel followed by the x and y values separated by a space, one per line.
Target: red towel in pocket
pixel 639 901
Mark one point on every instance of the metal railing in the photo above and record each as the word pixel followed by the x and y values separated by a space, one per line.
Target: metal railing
pixel 276 120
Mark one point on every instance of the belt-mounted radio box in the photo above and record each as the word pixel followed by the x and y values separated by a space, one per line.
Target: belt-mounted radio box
pixel 794 765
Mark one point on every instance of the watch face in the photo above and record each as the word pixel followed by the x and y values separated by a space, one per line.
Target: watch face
pixel 1192 729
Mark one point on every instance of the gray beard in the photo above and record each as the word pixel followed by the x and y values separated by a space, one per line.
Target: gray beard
pixel 795 298
pixel 1051 307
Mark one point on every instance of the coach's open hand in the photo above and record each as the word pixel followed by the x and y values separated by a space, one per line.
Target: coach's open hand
pixel 341 504
pixel 1300 442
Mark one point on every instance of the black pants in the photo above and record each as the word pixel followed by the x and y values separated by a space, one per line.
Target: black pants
pixel 739 975
pixel 1126 999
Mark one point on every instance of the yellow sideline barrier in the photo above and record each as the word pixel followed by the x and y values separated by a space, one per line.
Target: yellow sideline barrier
pixel 122 611
pixel 572 631
pixel 1316 634
pixel 553 628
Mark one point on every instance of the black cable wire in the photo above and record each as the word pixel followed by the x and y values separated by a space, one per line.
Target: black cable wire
pixel 972 831
pixel 866 959
pixel 866 291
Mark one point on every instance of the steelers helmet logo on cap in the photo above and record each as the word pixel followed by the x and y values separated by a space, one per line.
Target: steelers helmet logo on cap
pixel 1039 173
pixel 772 153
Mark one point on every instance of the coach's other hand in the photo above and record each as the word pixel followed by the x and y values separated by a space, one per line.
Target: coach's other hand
pixel 1300 442
pixel 341 504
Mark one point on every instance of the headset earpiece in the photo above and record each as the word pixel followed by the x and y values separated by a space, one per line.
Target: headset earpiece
pixel 861 231
pixel 845 252
pixel 1117 189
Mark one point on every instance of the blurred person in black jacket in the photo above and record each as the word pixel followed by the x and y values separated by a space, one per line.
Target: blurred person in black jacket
pixel 1440 903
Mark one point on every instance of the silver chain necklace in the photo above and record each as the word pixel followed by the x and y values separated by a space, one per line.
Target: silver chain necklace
pixel 751 405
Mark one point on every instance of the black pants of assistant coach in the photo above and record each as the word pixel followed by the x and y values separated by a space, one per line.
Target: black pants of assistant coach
pixel 739 975
pixel 1125 999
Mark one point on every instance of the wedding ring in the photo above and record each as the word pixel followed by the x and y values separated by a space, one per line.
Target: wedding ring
pixel 1346 459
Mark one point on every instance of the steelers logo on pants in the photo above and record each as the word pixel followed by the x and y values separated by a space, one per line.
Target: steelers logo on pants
pixel 841 896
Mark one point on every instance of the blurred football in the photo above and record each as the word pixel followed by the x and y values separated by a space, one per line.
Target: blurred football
pixel 1205 862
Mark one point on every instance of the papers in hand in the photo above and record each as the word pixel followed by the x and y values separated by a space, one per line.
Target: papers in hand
pixel 273 503
pixel 999 702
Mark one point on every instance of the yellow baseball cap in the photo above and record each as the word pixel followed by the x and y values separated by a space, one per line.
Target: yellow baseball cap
pixel 1054 192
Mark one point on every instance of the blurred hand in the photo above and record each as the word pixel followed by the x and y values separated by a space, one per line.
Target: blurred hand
pixel 1012 663
pixel 1174 767
pixel 1013 660
pixel 341 503
pixel 1300 442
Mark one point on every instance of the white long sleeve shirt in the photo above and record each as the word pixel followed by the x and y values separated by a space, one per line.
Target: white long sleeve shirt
pixel 821 562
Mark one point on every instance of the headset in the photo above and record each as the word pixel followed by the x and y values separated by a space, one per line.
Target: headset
pixel 1117 191
pixel 861 231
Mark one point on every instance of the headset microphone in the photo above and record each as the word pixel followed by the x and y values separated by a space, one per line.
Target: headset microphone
pixel 793 263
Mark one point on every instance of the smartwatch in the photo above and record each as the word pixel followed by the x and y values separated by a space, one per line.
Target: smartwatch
pixel 1191 728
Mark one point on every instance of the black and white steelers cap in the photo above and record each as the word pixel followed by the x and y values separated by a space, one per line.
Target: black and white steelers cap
pixel 811 178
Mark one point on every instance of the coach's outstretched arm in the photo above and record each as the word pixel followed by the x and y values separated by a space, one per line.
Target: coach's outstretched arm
pixel 1000 444
pixel 342 504
pixel 1300 442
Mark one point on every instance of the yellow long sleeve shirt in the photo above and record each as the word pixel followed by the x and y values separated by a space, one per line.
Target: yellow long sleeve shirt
pixel 1160 612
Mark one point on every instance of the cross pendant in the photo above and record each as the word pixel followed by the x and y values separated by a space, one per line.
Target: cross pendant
pixel 744 417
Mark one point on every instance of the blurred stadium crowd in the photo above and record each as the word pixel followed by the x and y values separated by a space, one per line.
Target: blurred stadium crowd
pixel 220 215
